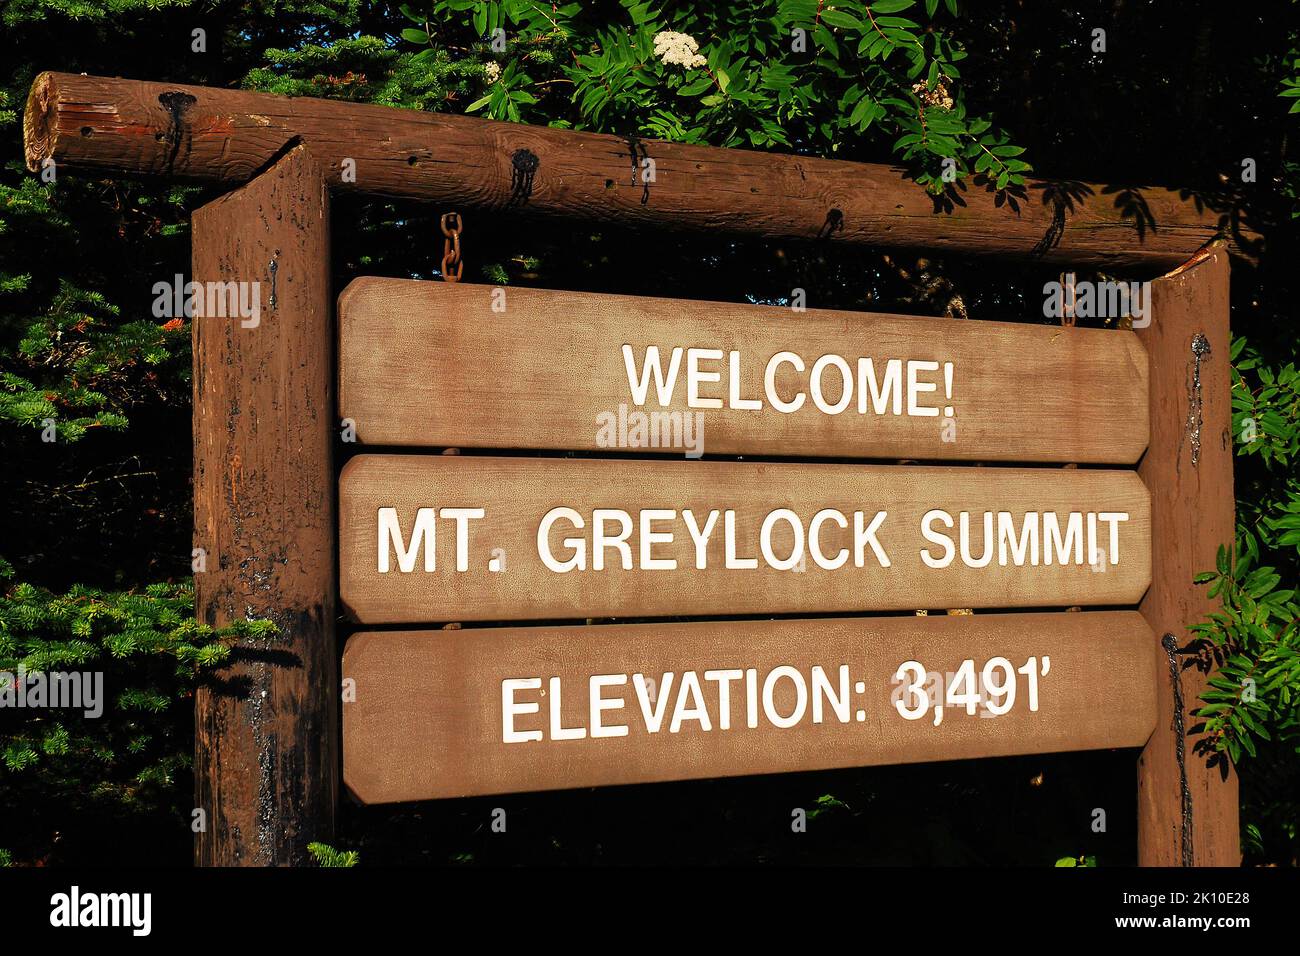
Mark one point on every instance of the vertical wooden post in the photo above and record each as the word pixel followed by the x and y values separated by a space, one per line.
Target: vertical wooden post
pixel 1188 470
pixel 266 744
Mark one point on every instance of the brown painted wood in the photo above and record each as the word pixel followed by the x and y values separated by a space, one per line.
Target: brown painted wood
pixel 453 364
pixel 266 752
pixel 427 720
pixel 517 493
pixel 1191 515
pixel 226 136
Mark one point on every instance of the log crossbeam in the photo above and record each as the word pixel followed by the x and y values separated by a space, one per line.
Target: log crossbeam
pixel 225 137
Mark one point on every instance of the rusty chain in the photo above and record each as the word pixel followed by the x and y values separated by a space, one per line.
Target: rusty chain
pixel 1067 307
pixel 451 260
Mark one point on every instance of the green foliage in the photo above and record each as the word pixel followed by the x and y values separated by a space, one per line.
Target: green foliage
pixel 19 11
pixel 1256 645
pixel 1077 861
pixel 72 357
pixel 364 69
pixel 151 653
pixel 794 74
pixel 826 803
pixel 326 855
pixel 1266 416
pixel 1290 91
pixel 1255 637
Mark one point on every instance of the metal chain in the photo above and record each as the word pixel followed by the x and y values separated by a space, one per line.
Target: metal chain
pixel 1170 645
pixel 452 264
pixel 1067 308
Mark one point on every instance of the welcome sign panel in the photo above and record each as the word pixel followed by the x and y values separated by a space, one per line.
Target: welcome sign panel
pixel 500 710
pixel 461 538
pixel 451 364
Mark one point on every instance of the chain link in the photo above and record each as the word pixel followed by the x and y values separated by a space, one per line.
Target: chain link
pixel 452 264
pixel 1068 299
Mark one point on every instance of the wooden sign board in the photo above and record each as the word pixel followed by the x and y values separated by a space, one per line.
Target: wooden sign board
pixel 450 364
pixel 426 538
pixel 430 365
pixel 501 710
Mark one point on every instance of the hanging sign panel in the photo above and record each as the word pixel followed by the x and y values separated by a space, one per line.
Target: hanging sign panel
pixel 426 538
pixel 451 364
pixel 499 710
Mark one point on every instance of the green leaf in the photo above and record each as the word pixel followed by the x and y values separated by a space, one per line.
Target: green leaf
pixel 890 6
pixel 825 39
pixel 838 18
pixel 863 111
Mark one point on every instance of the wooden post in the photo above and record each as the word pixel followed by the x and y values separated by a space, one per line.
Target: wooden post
pixel 1188 469
pixel 266 748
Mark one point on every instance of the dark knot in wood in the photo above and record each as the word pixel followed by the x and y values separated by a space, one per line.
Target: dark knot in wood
pixel 177 104
pixel 640 166
pixel 523 167
pixel 834 223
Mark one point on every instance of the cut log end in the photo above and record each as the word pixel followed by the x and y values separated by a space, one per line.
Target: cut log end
pixel 38 121
pixel 1207 251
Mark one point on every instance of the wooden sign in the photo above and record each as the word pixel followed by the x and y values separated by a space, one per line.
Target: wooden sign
pixel 499 710
pixel 426 365
pixel 443 364
pixel 457 538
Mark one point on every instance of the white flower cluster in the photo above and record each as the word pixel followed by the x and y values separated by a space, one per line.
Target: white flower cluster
pixel 934 97
pixel 493 70
pixel 678 48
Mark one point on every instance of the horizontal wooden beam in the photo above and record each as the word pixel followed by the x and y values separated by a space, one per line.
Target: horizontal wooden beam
pixel 502 710
pixel 118 127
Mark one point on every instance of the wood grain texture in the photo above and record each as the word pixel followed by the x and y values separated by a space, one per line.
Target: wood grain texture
pixel 226 136
pixel 517 492
pixel 266 752
pixel 1191 516
pixel 427 721
pixel 437 364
